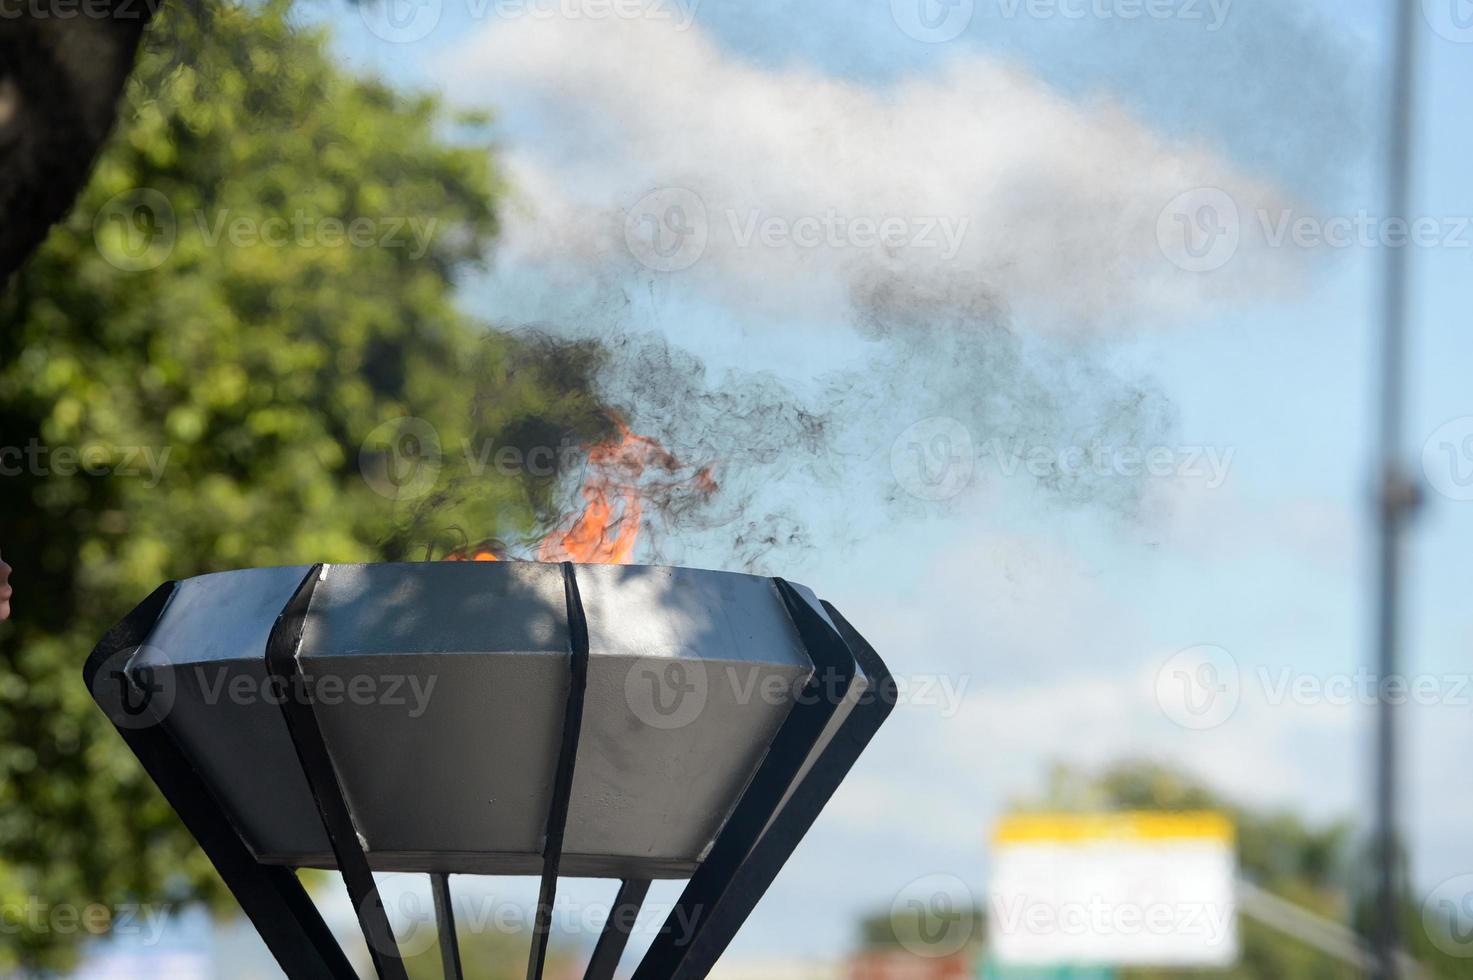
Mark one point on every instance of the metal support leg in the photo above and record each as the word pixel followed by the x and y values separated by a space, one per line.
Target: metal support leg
pixel 757 872
pixel 348 847
pixel 617 927
pixel 701 907
pixel 271 897
pixel 562 791
pixel 445 924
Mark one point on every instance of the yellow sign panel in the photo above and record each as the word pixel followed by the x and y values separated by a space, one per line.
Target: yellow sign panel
pixel 1148 889
pixel 1124 826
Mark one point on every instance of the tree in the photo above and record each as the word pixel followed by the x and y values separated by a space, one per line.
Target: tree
pixel 202 369
pixel 61 70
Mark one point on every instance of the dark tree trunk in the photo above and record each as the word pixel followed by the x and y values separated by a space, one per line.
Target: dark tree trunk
pixel 63 64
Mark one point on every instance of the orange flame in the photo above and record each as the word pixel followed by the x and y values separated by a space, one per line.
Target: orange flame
pixel 614 491
pixel 480 552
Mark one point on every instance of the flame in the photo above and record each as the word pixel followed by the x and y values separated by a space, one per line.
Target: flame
pixel 484 551
pixel 616 485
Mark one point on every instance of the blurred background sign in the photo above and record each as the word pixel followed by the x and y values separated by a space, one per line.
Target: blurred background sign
pixel 1110 890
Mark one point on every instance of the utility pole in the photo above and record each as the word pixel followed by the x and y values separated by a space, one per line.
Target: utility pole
pixel 1397 493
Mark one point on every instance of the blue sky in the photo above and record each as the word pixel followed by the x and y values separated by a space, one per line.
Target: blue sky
pixel 1051 617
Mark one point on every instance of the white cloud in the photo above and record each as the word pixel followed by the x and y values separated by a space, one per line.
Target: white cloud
pixel 1057 666
pixel 1004 608
pixel 1198 521
pixel 1051 206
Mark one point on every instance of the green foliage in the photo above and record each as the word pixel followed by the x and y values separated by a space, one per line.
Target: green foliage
pixel 914 929
pixel 489 954
pixel 1276 850
pixel 239 375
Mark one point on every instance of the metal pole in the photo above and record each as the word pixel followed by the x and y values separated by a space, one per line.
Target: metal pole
pixel 445 925
pixel 1397 493
pixel 617 927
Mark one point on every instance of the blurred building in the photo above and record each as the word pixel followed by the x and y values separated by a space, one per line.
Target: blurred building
pixel 898 964
pixel 758 969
